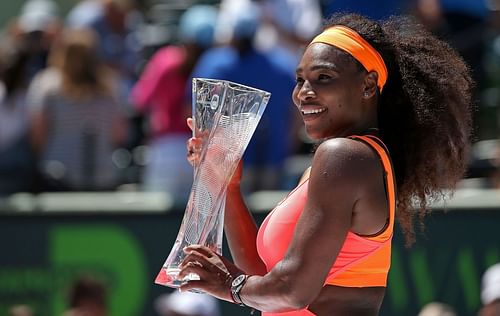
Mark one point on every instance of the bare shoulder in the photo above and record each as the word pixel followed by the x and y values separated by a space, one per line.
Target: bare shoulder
pixel 344 154
pixel 344 173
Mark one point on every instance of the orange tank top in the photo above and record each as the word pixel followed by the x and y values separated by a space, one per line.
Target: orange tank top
pixel 361 262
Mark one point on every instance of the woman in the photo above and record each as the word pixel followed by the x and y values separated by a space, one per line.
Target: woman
pixel 77 123
pixel 364 90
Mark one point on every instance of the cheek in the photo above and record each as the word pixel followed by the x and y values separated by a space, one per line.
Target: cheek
pixel 295 96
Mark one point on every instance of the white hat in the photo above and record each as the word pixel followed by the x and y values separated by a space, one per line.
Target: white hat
pixel 187 303
pixel 490 288
pixel 36 15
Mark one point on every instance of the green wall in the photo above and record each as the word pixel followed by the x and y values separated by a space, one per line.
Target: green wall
pixel 41 253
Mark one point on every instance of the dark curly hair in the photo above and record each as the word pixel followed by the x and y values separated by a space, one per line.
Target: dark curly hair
pixel 424 111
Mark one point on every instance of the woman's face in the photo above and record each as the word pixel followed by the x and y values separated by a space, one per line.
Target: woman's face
pixel 329 93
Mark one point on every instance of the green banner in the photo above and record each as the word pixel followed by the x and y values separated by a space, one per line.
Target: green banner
pixel 42 254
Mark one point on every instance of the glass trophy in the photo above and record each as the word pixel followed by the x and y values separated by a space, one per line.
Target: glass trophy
pixel 225 117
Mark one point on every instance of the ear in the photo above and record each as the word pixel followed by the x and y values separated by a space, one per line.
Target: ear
pixel 370 88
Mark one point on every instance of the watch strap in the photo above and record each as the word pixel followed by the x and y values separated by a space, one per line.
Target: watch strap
pixel 236 289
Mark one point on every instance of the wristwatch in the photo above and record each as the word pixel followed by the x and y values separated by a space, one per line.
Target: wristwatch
pixel 236 287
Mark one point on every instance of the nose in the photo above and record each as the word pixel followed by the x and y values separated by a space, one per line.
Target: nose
pixel 306 92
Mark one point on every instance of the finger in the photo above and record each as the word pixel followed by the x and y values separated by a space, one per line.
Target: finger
pixel 209 253
pixel 194 144
pixel 190 122
pixel 197 258
pixel 195 269
pixel 191 285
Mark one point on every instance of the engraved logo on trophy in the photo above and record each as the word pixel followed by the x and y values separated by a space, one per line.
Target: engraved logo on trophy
pixel 225 115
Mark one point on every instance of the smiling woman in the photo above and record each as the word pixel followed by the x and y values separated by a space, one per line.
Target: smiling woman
pixel 380 99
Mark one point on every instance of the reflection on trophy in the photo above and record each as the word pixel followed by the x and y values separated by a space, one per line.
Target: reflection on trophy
pixel 225 116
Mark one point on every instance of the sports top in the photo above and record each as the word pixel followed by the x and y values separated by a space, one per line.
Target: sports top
pixel 363 261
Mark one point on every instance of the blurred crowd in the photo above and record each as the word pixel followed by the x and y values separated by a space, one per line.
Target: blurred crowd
pixel 96 99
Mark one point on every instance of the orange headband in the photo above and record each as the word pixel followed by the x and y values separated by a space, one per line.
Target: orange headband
pixel 351 42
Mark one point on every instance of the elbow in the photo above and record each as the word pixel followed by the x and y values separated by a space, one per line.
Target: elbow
pixel 295 289
pixel 298 300
pixel 295 296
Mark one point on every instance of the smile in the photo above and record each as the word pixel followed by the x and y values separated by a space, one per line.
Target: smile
pixel 313 111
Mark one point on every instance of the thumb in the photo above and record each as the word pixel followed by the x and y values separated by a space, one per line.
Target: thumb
pixel 190 122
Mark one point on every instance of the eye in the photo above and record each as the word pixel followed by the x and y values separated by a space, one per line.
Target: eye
pixel 324 77
pixel 299 80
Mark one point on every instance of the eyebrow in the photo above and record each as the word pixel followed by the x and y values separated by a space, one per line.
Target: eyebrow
pixel 324 65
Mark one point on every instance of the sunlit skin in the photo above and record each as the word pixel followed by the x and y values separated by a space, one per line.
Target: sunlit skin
pixel 327 83
pixel 346 193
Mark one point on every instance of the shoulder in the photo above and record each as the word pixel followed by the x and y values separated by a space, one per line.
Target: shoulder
pixel 344 159
pixel 345 148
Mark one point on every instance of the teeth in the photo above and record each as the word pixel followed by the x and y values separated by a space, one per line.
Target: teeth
pixel 312 111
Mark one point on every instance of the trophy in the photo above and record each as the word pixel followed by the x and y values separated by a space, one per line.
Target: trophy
pixel 225 117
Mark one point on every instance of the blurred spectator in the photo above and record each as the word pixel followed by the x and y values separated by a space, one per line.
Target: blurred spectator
pixel 16 157
pixel 490 291
pixel 484 166
pixel 461 22
pixel 37 27
pixel 115 22
pixel 437 309
pixel 161 92
pixel 20 310
pixel 242 63
pixel 77 123
pixel 286 25
pixel 87 297
pixel 289 25
pixel 186 304
pixel 377 10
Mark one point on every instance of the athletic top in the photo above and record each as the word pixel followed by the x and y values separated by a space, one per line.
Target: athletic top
pixel 363 261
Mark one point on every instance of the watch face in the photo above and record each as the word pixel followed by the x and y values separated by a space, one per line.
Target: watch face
pixel 238 280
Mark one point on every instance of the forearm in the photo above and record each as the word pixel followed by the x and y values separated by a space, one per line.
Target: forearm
pixel 277 291
pixel 241 234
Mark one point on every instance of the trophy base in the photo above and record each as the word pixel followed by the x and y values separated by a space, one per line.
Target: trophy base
pixel 168 277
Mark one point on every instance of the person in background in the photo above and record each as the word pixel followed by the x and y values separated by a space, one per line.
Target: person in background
pixel 490 291
pixel 241 62
pixel 17 165
pixel 289 25
pixel 77 125
pixel 377 10
pixel 37 27
pixel 87 297
pixel 160 93
pixel 380 99
pixel 115 23
pixel 186 304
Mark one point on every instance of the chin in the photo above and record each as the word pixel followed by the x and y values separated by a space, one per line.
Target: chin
pixel 317 136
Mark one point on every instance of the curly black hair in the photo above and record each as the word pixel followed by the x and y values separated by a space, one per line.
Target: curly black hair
pixel 424 111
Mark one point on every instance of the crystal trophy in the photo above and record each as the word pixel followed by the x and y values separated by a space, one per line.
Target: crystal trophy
pixel 225 116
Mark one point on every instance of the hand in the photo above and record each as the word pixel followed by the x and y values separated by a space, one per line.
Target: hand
pixel 216 272
pixel 194 146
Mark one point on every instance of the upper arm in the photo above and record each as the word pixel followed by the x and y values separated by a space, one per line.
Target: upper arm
pixel 335 186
